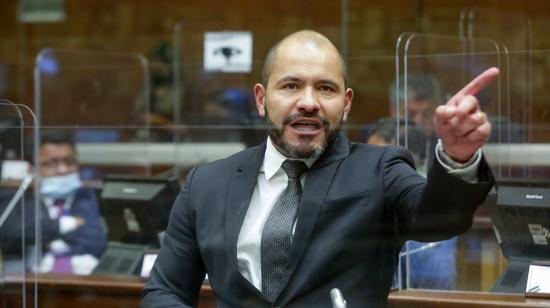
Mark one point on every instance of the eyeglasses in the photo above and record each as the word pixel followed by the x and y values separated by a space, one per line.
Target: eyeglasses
pixel 55 163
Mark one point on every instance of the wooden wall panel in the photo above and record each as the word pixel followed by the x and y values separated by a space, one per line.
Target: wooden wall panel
pixel 139 26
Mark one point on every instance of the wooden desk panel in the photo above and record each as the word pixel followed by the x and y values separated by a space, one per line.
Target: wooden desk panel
pixel 58 290
pixel 457 299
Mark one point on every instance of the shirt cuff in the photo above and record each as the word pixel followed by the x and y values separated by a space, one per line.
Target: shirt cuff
pixel 67 224
pixel 59 247
pixel 466 171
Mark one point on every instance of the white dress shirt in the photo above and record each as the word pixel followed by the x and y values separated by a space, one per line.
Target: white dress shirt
pixel 271 182
pixel 67 223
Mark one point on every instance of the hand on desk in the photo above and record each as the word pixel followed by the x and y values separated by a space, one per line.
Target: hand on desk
pixel 70 223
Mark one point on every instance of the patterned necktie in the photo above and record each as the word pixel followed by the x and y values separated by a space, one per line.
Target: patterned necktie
pixel 277 233
pixel 60 207
pixel 62 262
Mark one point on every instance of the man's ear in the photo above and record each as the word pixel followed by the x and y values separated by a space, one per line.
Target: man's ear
pixel 347 103
pixel 259 95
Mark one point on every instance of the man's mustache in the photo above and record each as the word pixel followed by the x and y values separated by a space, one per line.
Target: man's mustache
pixel 310 115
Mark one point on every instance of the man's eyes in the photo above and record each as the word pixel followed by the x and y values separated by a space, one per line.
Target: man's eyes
pixel 290 86
pixel 321 88
pixel 326 88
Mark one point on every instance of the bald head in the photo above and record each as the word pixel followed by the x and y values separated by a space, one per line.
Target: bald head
pixel 304 37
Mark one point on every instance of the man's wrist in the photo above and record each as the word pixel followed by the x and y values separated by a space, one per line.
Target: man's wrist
pixel 450 162
pixel 67 224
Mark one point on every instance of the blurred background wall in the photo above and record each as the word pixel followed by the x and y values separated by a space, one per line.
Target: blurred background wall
pixel 365 31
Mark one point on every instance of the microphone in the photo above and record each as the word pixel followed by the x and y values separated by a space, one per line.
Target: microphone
pixel 419 249
pixel 337 298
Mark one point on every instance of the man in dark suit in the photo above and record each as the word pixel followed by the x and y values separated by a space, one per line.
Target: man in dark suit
pixel 73 237
pixel 357 206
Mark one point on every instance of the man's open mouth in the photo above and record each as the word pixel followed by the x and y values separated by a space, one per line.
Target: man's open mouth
pixel 306 125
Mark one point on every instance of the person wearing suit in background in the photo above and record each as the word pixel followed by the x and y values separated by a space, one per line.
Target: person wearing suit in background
pixel 73 237
pixel 423 95
pixel 357 203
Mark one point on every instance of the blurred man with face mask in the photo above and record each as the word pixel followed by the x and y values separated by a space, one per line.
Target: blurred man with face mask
pixel 72 237
pixel 82 239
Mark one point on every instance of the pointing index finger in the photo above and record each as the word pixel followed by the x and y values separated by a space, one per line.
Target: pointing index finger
pixel 476 85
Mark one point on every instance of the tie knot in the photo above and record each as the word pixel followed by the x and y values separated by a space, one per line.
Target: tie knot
pixel 294 168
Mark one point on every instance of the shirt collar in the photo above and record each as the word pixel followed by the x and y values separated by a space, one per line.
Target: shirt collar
pixel 273 160
pixel 51 202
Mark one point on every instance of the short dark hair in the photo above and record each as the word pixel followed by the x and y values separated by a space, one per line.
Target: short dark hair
pixel 420 86
pixel 52 136
pixel 56 136
pixel 387 129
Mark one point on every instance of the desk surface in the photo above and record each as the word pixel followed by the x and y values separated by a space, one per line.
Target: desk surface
pixel 455 299
pixel 61 290
pixel 58 290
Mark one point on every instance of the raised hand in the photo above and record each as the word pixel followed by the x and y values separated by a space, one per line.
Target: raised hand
pixel 460 124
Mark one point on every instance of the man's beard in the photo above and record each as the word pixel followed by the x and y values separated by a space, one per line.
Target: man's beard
pixel 277 136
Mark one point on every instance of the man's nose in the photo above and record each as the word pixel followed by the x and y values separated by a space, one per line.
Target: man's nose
pixel 308 100
pixel 63 168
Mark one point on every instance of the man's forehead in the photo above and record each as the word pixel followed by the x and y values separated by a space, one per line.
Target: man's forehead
pixel 303 60
pixel 55 149
pixel 295 47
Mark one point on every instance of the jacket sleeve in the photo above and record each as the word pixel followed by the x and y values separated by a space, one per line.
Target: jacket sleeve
pixel 179 271
pixel 20 224
pixel 434 209
pixel 90 238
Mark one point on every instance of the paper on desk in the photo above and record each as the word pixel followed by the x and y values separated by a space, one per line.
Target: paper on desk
pixel 147 265
pixel 15 169
pixel 538 280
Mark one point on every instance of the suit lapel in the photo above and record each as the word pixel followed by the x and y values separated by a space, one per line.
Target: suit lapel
pixel 239 191
pixel 316 187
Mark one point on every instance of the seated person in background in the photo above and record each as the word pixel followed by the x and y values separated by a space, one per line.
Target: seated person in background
pixel 433 268
pixel 423 95
pixel 82 238
pixel 17 231
pixel 384 132
pixel 78 248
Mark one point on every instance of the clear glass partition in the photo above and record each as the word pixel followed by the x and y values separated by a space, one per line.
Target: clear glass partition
pixel 513 34
pixel 431 69
pixel 523 152
pixel 20 218
pixel 213 72
pixel 96 127
pixel 102 99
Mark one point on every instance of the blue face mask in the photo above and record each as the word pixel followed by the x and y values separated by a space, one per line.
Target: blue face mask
pixel 60 186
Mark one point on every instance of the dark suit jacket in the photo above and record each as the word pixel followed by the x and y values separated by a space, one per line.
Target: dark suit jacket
pixel 359 204
pixel 14 231
pixel 90 238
